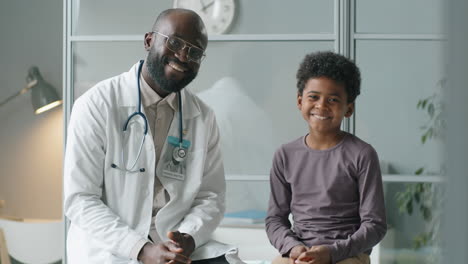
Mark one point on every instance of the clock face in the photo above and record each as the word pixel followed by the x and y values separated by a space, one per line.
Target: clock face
pixel 217 15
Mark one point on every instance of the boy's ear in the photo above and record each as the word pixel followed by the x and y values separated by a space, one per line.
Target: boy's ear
pixel 148 40
pixel 350 110
pixel 299 101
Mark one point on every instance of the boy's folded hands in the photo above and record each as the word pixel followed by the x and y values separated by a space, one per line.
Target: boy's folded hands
pixel 295 252
pixel 314 255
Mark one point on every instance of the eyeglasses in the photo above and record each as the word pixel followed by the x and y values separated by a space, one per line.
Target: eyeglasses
pixel 176 44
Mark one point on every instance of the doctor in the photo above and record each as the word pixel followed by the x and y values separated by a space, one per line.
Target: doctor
pixel 144 177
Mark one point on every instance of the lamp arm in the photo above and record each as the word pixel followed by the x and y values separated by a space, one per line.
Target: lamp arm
pixel 22 91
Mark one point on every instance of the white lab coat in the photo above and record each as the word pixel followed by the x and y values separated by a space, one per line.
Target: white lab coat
pixel 110 210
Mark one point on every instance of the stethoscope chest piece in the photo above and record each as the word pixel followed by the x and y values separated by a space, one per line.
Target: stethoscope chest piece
pixel 179 154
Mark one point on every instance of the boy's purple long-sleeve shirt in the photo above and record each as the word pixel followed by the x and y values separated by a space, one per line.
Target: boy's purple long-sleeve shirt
pixel 335 197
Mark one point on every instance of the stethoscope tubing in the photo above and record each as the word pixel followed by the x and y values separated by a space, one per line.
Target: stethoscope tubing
pixel 139 113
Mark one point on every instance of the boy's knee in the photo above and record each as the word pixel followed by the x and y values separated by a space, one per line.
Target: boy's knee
pixel 280 260
pixel 359 259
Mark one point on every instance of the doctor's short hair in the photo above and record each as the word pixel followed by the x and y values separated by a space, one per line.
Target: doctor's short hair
pixel 162 16
pixel 333 66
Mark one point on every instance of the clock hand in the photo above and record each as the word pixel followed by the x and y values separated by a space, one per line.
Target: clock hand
pixel 202 3
pixel 206 6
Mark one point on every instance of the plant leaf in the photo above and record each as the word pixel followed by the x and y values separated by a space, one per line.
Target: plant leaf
pixel 423 105
pixel 409 206
pixel 419 171
pixel 431 110
pixel 417 197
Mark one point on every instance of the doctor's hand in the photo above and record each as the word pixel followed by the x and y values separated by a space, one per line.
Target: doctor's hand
pixel 182 241
pixel 161 253
pixel 315 255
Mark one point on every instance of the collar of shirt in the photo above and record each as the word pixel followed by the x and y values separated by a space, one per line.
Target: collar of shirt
pixel 150 97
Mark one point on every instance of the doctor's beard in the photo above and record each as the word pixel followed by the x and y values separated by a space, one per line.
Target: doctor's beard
pixel 156 72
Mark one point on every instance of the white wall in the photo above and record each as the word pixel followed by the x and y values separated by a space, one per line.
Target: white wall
pixel 30 145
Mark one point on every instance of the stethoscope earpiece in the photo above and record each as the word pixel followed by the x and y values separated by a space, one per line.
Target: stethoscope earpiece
pixel 114 166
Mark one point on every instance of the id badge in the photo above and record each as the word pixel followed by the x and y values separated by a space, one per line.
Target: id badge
pixel 174 168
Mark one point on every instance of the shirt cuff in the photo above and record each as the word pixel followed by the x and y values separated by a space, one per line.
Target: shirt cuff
pixel 137 248
pixel 288 244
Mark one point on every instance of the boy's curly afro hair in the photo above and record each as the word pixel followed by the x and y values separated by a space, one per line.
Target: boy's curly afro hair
pixel 333 66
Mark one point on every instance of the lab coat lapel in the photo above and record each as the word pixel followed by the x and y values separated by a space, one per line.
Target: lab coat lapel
pixel 127 95
pixel 127 101
pixel 190 110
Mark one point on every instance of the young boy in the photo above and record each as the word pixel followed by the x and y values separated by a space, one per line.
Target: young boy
pixel 329 180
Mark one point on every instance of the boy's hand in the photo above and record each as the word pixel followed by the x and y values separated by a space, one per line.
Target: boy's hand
pixel 296 252
pixel 315 255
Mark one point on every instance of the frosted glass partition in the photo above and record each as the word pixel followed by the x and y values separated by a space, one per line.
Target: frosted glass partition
pixel 247 195
pixel 115 17
pixel 250 85
pixel 404 242
pixel 122 17
pixel 399 16
pixel 396 75
pixel 96 61
pixel 280 17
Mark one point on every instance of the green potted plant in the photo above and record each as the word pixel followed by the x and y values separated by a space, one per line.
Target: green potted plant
pixel 426 197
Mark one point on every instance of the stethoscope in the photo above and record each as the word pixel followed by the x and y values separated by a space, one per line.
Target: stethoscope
pixel 179 153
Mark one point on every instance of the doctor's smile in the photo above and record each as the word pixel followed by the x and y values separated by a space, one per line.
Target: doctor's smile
pixel 176 66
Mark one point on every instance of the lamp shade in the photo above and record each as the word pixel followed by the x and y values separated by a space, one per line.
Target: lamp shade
pixel 44 96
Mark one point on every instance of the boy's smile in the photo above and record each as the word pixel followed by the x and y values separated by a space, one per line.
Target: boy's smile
pixel 323 105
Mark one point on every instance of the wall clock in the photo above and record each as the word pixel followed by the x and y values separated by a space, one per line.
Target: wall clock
pixel 218 15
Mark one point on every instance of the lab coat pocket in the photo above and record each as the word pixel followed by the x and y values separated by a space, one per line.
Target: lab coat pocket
pixel 113 259
pixel 184 177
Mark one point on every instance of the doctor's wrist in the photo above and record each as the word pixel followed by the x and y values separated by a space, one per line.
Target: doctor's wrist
pixel 136 250
pixel 141 252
